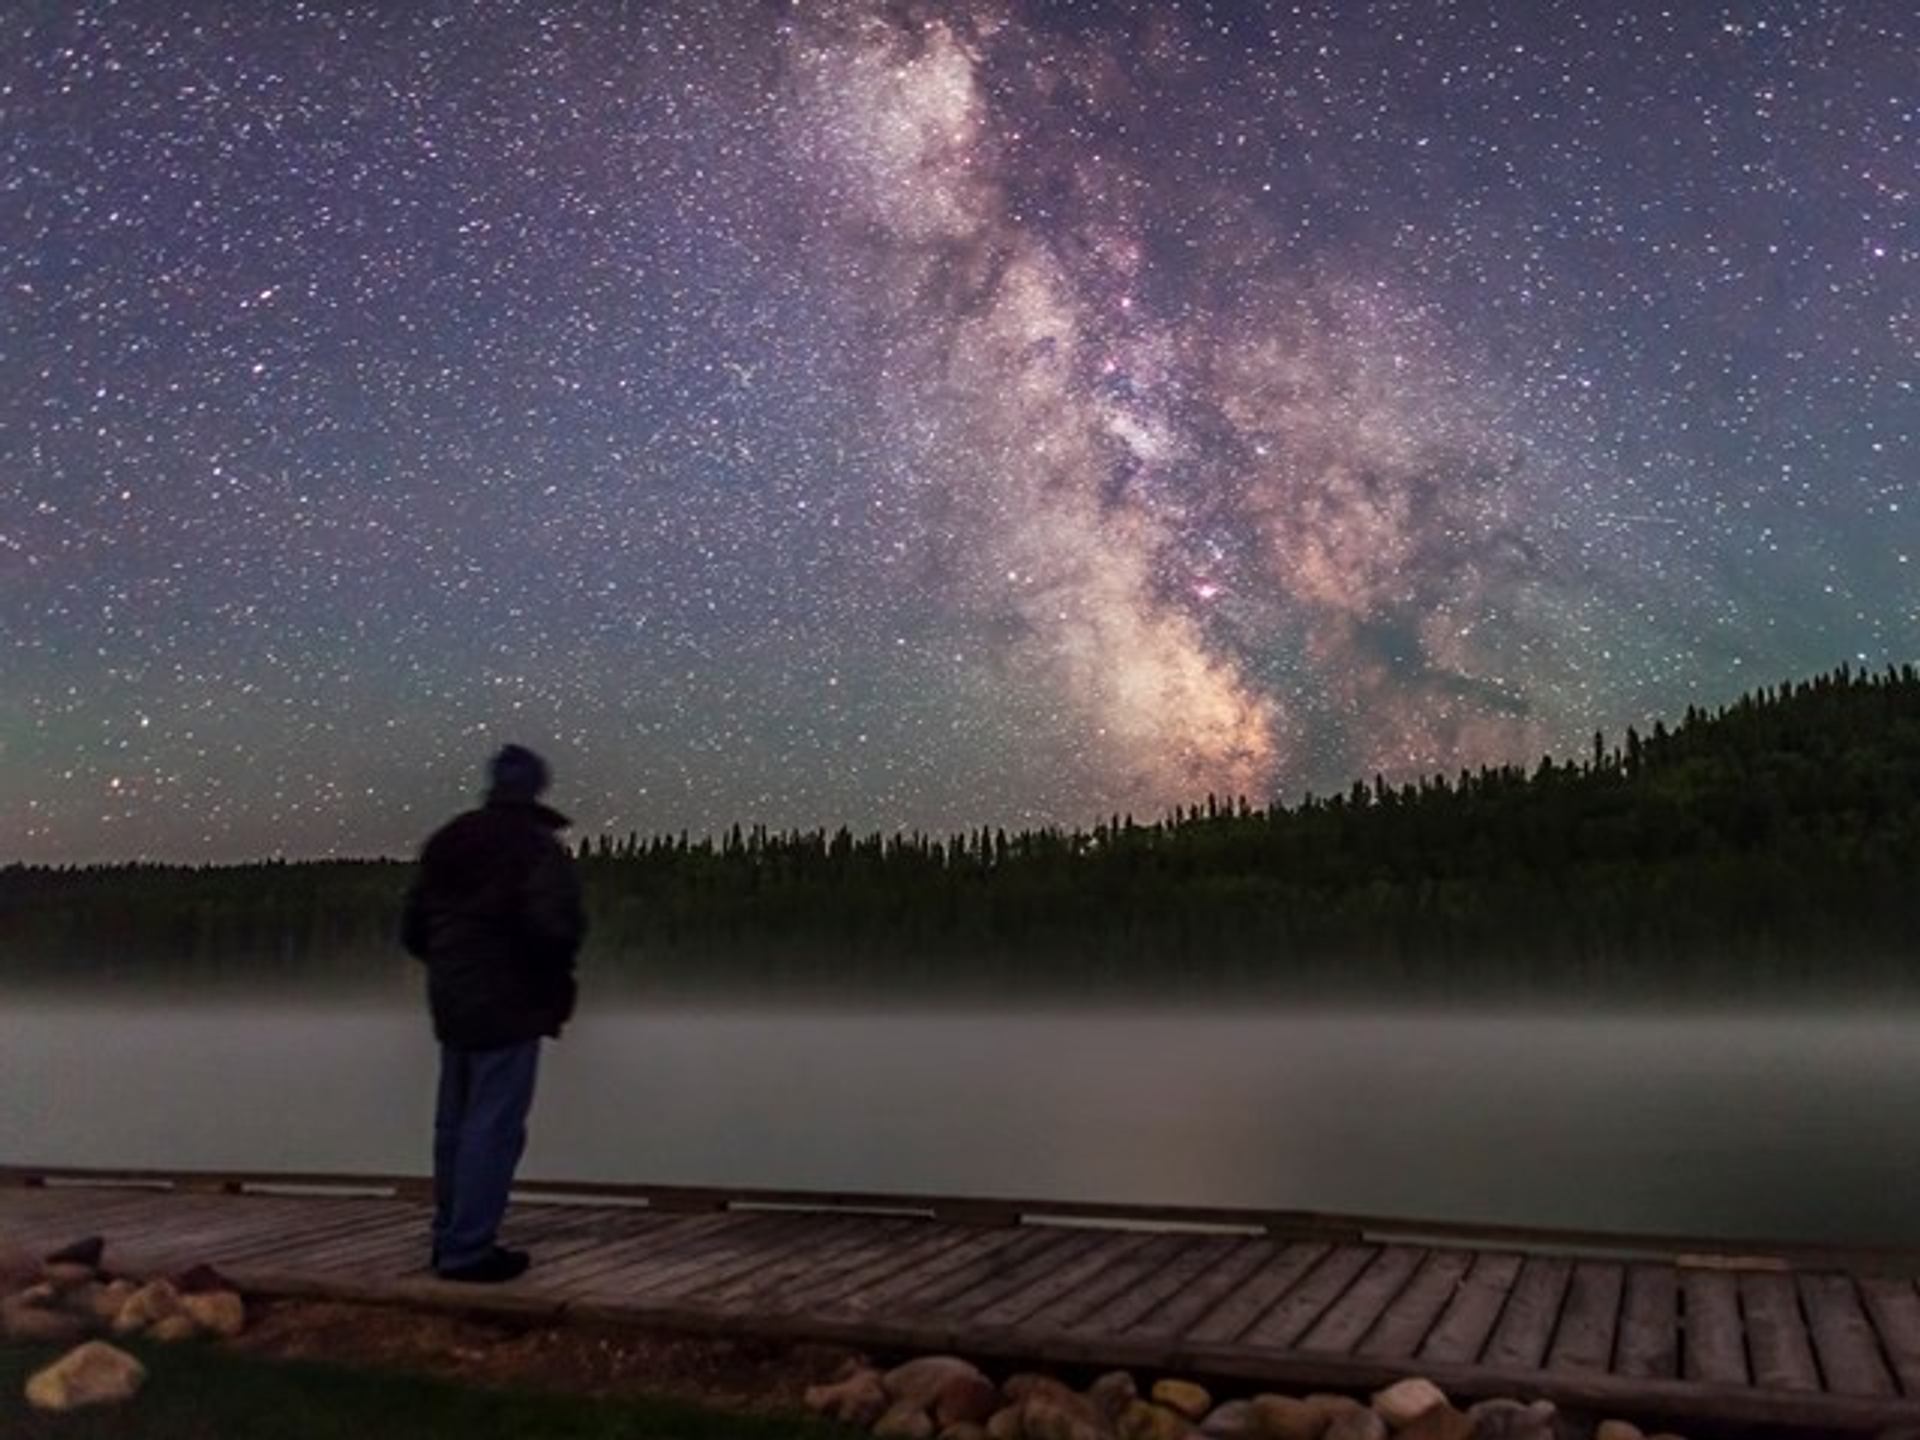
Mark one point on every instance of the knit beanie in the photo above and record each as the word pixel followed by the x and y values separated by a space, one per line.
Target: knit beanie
pixel 516 773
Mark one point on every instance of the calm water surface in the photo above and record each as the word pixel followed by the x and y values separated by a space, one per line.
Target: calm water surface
pixel 1798 1126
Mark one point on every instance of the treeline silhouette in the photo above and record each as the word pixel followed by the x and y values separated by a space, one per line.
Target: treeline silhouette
pixel 1772 842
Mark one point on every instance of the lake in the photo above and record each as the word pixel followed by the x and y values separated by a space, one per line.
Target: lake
pixel 1796 1126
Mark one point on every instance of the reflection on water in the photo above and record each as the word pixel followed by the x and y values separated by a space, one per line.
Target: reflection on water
pixel 1740 1125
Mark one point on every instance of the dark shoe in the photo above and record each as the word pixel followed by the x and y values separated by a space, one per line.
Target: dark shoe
pixel 502 1265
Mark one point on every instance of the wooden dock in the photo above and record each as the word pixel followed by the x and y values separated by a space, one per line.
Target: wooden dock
pixel 1769 1334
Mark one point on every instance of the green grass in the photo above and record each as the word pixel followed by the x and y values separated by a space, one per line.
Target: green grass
pixel 196 1392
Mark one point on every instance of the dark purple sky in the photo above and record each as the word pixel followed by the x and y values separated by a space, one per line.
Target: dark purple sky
pixel 925 415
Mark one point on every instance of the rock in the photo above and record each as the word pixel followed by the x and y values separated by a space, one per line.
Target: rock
pixel 1007 1424
pixel 1145 1420
pixel 94 1374
pixel 201 1280
pixel 1405 1401
pixel 1183 1397
pixel 153 1301
pixel 1438 1422
pixel 1112 1393
pixel 1027 1384
pixel 1287 1417
pixel 108 1299
pixel 1235 1420
pixel 1060 1408
pixel 965 1400
pixel 904 1420
pixel 1061 1416
pixel 1511 1420
pixel 218 1312
pixel 952 1390
pixel 1334 1406
pixel 850 1366
pixel 860 1399
pixel 1618 1430
pixel 170 1329
pixel 86 1253
pixel 964 1430
pixel 920 1380
pixel 39 1325
pixel 1358 1424
pixel 96 1301
pixel 864 1400
pixel 65 1277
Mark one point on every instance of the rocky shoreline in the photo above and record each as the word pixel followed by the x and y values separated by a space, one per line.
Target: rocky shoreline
pixel 944 1397
pixel 71 1298
pixel 75 1300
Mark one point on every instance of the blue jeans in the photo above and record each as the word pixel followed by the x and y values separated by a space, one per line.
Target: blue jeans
pixel 479 1130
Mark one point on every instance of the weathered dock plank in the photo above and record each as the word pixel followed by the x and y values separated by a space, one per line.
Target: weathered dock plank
pixel 1649 1343
pixel 211 1230
pixel 1288 1320
pixel 1843 1338
pixel 821 1248
pixel 630 1270
pixel 1894 1304
pixel 1003 1250
pixel 198 1219
pixel 346 1227
pixel 1713 1348
pixel 1520 1340
pixel 1462 1331
pixel 652 1237
pixel 879 1236
pixel 1012 1286
pixel 1229 1320
pixel 1077 1309
pixel 976 1254
pixel 1777 1345
pixel 748 1246
pixel 1206 1290
pixel 1065 1279
pixel 56 1214
pixel 1410 1317
pixel 1589 1319
pixel 1339 1329
pixel 391 1254
pixel 1132 1305
pixel 926 1242
pixel 1312 1302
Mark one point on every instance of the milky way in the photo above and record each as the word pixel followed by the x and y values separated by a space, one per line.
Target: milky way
pixel 925 415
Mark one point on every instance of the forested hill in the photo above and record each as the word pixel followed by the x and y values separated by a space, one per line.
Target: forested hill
pixel 1776 840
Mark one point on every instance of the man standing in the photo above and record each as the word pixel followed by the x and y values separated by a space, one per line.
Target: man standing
pixel 495 913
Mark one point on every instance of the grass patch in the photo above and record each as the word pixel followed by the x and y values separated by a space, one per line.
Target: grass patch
pixel 200 1392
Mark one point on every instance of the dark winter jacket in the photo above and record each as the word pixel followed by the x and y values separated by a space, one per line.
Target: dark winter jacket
pixel 495 913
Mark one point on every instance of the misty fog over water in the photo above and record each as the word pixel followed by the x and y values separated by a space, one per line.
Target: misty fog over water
pixel 1787 1125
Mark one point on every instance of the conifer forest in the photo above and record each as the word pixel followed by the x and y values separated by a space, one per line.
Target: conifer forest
pixel 1769 845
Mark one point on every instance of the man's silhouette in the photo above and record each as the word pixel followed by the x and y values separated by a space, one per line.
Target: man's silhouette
pixel 495 913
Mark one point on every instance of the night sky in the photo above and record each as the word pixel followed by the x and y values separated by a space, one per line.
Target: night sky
pixel 921 414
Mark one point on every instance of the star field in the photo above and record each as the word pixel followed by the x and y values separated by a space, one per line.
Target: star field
pixel 925 414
